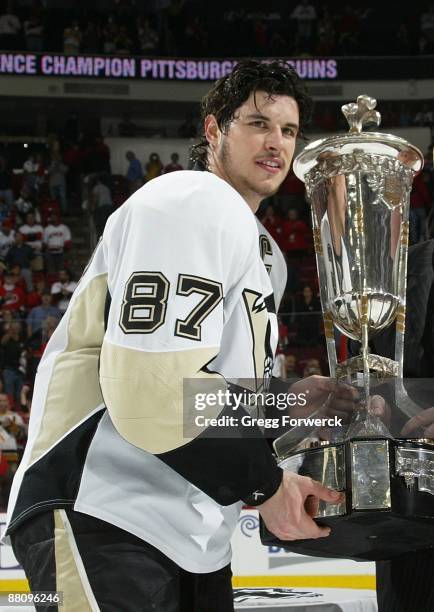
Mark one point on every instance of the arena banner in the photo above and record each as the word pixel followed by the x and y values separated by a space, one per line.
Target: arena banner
pixel 122 67
pixel 253 565
pixel 208 69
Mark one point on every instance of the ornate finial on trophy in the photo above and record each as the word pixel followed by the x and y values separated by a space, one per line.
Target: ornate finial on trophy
pixel 361 113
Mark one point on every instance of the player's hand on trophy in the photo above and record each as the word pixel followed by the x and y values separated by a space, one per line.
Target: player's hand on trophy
pixel 287 514
pixel 325 396
pixel 421 425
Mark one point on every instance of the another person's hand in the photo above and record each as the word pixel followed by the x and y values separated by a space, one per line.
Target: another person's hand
pixel 285 513
pixel 325 395
pixel 380 408
pixel 424 422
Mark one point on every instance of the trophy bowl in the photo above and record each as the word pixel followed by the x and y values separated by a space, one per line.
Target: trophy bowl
pixel 358 185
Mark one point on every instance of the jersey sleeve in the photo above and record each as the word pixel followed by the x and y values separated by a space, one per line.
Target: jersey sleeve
pixel 181 257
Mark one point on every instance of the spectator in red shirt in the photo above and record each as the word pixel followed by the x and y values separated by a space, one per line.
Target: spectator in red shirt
pixel 174 165
pixel 17 273
pixel 12 297
pixel 34 298
pixel 292 185
pixel 96 158
pixel 295 232
pixel 291 193
pixel 273 223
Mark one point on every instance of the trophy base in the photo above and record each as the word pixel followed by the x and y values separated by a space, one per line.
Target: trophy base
pixel 388 508
pixel 367 536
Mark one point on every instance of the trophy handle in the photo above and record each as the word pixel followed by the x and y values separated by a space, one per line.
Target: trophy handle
pixel 402 399
pixel 402 292
pixel 326 314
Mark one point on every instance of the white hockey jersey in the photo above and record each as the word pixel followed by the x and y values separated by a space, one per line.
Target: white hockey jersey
pixel 176 290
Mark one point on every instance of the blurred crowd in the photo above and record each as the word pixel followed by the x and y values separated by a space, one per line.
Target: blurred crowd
pixel 40 192
pixel 191 28
pixel 138 174
pixel 327 117
pixel 103 191
pixel 36 285
pixel 398 113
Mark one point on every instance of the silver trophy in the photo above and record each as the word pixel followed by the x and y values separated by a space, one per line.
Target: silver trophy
pixel 359 188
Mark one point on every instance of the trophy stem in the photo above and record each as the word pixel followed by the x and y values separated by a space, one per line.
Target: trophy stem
pixel 364 423
pixel 366 380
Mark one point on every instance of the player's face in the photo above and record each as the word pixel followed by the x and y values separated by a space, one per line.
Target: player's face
pixel 255 154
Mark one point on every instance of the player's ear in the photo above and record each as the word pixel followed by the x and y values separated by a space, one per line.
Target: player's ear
pixel 212 130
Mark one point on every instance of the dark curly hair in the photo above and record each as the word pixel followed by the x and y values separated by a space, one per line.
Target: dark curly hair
pixel 274 77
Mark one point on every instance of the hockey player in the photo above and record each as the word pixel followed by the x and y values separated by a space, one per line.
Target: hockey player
pixel 113 504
